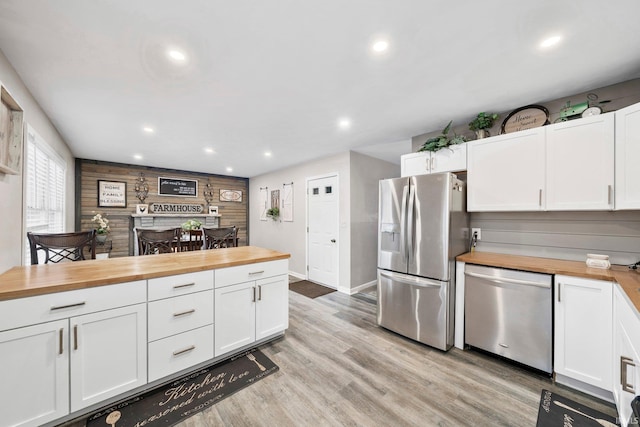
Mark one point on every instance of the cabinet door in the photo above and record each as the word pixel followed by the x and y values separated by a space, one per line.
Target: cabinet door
pixel 626 360
pixel 580 156
pixel 506 172
pixel 108 354
pixel 35 374
pixel 235 317
pixel 415 163
pixel 450 159
pixel 583 330
pixel 627 154
pixel 272 309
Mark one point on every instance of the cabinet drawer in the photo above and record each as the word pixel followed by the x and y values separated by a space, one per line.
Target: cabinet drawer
pixel 243 273
pixel 179 352
pixel 172 316
pixel 180 284
pixel 44 308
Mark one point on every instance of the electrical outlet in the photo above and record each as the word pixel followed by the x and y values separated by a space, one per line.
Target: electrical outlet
pixel 478 233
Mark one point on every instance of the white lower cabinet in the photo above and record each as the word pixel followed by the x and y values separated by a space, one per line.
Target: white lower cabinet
pixel 626 356
pixel 108 354
pixel 249 311
pixel 35 374
pixel 583 333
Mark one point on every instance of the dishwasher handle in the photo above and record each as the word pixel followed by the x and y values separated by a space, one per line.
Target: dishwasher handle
pixel 508 281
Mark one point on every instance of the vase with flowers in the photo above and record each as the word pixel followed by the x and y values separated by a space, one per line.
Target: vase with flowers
pixel 102 227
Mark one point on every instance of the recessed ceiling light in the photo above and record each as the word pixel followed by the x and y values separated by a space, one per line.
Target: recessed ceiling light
pixel 229 169
pixel 344 123
pixel 209 150
pixel 549 42
pixel 137 156
pixel 267 153
pixel 148 129
pixel 380 46
pixel 177 55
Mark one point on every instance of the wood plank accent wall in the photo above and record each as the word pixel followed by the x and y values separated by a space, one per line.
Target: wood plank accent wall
pixel 562 235
pixel 90 171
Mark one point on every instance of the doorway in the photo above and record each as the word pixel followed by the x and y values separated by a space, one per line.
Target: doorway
pixel 322 230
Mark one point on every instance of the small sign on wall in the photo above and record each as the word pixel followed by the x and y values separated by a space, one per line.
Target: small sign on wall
pixel 112 194
pixel 177 187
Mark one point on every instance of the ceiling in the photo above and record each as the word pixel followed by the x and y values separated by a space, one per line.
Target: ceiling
pixel 277 76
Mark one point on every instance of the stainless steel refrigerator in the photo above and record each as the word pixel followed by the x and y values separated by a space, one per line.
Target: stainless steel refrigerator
pixel 422 225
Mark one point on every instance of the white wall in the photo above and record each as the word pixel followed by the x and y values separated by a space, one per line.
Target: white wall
pixel 356 267
pixel 11 189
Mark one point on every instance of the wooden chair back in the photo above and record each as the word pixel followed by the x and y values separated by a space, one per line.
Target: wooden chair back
pixel 151 242
pixel 62 247
pixel 224 237
pixel 195 240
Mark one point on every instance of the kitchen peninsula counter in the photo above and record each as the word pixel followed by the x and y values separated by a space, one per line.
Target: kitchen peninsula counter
pixel 629 280
pixel 28 281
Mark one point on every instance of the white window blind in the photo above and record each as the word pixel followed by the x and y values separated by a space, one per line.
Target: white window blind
pixel 45 188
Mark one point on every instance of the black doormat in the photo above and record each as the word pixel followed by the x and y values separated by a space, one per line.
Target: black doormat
pixel 309 289
pixel 558 411
pixel 184 397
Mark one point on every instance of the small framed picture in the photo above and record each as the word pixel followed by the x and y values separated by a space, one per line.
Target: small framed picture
pixel 213 210
pixel 112 194
pixel 142 209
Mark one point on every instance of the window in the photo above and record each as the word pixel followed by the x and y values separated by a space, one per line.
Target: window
pixel 45 188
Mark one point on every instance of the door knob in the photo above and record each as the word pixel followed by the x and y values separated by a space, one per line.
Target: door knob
pixel 333 240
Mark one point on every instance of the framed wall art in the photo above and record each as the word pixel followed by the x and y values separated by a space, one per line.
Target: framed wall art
pixel 112 194
pixel 177 187
pixel 230 195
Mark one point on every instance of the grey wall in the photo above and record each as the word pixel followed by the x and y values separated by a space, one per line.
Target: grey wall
pixel 12 234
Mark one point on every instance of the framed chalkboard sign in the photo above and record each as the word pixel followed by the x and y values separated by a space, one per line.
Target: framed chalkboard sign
pixel 177 187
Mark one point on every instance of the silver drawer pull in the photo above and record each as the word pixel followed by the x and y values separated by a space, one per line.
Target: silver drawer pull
pixel 186 285
pixel 61 341
pixel 252 273
pixel 177 352
pixel 60 307
pixel 624 363
pixel 503 345
pixel 182 313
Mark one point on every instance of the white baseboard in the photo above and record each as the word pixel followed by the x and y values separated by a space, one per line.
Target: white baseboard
pixel 297 275
pixel 362 287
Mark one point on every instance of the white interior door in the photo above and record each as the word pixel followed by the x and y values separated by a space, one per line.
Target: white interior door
pixel 322 214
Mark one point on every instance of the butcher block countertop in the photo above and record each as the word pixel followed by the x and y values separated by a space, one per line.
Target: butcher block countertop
pixel 33 280
pixel 629 280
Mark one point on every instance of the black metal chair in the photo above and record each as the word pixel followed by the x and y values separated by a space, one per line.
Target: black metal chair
pixel 151 242
pixel 216 238
pixel 61 247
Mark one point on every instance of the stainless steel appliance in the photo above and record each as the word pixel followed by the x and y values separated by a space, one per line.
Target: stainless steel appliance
pixel 423 226
pixel 508 313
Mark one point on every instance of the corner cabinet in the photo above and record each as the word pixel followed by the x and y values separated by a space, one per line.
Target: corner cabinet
pixel 506 172
pixel 626 352
pixel 583 334
pixel 251 303
pixel 449 159
pixel 627 149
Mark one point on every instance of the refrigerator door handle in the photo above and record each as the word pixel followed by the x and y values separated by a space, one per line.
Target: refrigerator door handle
pixel 403 221
pixel 410 220
pixel 421 282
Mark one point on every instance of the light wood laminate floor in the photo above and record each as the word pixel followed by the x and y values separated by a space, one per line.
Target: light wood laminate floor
pixel 338 368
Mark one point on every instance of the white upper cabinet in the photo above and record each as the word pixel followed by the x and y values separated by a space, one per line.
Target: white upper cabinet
pixel 506 172
pixel 580 164
pixel 627 155
pixel 450 159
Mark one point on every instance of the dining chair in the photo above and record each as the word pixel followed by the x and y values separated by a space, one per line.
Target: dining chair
pixel 193 240
pixel 224 237
pixel 62 247
pixel 151 241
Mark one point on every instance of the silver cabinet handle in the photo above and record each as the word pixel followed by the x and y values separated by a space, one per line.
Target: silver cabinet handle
pixel 253 273
pixel 61 341
pixel 433 163
pixel 60 307
pixel 503 345
pixel 624 363
pixel 609 194
pixel 75 337
pixel 184 286
pixel 504 280
pixel 254 294
pixel 182 313
pixel 184 350
pixel 540 197
pixel 559 291
pixel 259 292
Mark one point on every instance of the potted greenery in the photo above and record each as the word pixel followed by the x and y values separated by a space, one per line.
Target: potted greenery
pixel 191 224
pixel 273 213
pixel 482 123
pixel 102 228
pixel 443 140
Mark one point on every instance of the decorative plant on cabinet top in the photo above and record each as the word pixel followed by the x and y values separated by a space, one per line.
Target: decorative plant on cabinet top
pixel 482 123
pixel 443 140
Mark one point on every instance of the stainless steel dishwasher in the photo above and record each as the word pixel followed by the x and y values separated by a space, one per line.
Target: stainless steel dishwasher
pixel 509 313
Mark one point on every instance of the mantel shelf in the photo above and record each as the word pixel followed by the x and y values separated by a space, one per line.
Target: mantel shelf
pixel 178 215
